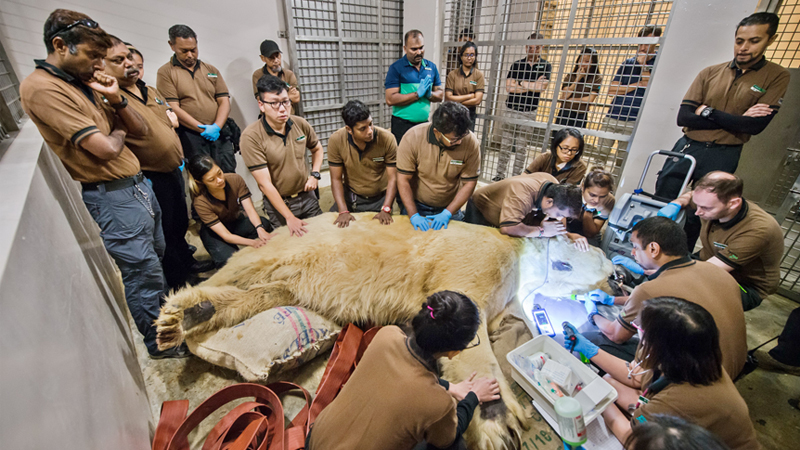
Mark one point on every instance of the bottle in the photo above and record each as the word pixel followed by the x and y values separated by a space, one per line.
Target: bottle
pixel 578 298
pixel 569 416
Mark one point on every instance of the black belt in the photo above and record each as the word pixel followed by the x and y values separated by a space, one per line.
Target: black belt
pixel 115 185
pixel 713 144
pixel 290 197
pixel 374 197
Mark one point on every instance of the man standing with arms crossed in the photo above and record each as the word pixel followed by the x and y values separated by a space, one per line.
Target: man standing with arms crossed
pixel 412 83
pixel 83 118
pixel 199 96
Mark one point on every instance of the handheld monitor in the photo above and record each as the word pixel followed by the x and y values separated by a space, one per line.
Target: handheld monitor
pixel 543 322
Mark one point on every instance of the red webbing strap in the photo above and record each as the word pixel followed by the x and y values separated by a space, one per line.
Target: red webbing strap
pixel 338 370
pixel 172 414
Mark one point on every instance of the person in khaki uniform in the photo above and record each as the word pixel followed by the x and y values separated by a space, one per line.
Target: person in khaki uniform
pixel 85 120
pixel 365 156
pixel 438 165
pixel 274 149
pixel 564 160
pixel 160 155
pixel 199 96
pixel 466 85
pixel 513 204
pixel 271 57
pixel 598 202
pixel 725 105
pixel 684 370
pixel 737 235
pixel 659 245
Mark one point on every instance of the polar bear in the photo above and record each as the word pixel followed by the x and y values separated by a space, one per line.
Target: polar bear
pixel 379 274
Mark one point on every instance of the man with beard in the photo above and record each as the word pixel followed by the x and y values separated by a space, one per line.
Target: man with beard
pixel 412 83
pixel 85 120
pixel 438 165
pixel 160 156
pixel 725 105
pixel 271 56
pixel 199 96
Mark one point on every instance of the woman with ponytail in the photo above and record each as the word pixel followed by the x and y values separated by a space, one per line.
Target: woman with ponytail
pixel 218 198
pixel 395 398
pixel 598 202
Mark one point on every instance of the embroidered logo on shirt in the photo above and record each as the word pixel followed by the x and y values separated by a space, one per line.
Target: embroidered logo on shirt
pixel 757 88
pixel 300 138
pixel 378 159
pixel 474 83
pixel 212 75
pixel 456 162
pixel 158 101
pixel 733 257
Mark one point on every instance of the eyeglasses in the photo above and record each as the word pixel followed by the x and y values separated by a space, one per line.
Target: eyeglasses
pixel 449 141
pixel 277 105
pixel 474 343
pixel 88 23
pixel 571 151
pixel 468 55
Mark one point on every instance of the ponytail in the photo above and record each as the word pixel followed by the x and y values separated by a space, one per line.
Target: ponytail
pixel 198 167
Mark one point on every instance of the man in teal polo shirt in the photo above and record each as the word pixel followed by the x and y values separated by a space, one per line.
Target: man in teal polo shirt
pixel 412 83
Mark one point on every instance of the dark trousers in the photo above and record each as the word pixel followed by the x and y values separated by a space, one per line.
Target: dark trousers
pixel 303 206
pixel 710 157
pixel 625 351
pixel 130 225
pixel 788 349
pixel 357 203
pixel 473 117
pixel 569 118
pixel 459 444
pixel 750 297
pixel 221 149
pixel 221 251
pixel 400 126
pixel 474 215
pixel 178 259
pixel 426 210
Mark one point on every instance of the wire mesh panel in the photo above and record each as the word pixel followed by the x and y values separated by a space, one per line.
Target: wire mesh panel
pixel 554 64
pixel 786 48
pixel 341 50
pixel 790 264
pixel 10 106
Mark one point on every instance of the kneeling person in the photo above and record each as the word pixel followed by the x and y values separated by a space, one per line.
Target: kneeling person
pixel 513 203
pixel 218 198
pixel 274 149
pixel 438 165
pixel 366 156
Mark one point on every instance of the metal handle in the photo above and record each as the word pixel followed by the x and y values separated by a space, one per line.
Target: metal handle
pixel 693 164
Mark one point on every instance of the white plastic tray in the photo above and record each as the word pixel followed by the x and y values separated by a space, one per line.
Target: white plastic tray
pixel 592 384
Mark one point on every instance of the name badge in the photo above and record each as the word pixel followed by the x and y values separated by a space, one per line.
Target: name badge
pixel 379 159
pixel 642 401
pixel 474 83
pixel 212 75
pixel 720 245
pixel 158 101
pixel 300 138
pixel 456 162
pixel 757 88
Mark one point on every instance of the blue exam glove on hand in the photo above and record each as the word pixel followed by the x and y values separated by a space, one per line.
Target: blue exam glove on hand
pixel 582 345
pixel 599 296
pixel 426 83
pixel 440 220
pixel 670 211
pixel 419 222
pixel 591 307
pixel 628 263
pixel 211 133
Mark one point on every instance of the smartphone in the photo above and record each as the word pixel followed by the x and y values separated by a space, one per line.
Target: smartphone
pixel 543 322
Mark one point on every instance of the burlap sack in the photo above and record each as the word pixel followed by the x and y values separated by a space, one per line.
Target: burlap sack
pixel 275 340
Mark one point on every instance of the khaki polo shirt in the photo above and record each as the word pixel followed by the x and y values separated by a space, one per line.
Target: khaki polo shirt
pixel 66 111
pixel 507 202
pixel 606 205
pixel 392 401
pixel 571 173
pixel 587 86
pixel 725 88
pixel 706 285
pixel 437 172
pixel 751 243
pixel 160 150
pixel 719 408
pixel 283 155
pixel 196 91
pixel 460 84
pixel 212 211
pixel 364 172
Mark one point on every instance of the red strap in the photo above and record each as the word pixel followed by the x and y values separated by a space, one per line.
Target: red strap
pixel 338 370
pixel 172 414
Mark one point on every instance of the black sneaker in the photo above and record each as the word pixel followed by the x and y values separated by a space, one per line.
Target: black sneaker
pixel 497 178
pixel 202 266
pixel 181 351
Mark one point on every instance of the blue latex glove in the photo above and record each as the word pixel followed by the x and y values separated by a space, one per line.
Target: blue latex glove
pixel 211 133
pixel 429 92
pixel 419 222
pixel 670 211
pixel 582 345
pixel 569 447
pixel 599 296
pixel 628 264
pixel 440 220
pixel 591 307
pixel 423 87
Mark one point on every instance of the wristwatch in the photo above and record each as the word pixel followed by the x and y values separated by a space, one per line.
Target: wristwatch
pixel 387 209
pixel 316 175
pixel 120 105
pixel 706 112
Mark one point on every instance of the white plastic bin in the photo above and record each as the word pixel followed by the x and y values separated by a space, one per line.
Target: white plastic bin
pixel 596 394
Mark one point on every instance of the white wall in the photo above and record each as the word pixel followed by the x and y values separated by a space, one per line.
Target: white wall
pixel 700 33
pixel 229 34
pixel 426 16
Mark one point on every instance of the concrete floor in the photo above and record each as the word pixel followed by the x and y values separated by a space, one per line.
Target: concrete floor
pixel 766 392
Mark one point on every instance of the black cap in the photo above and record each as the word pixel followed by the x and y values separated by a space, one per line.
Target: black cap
pixel 269 48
